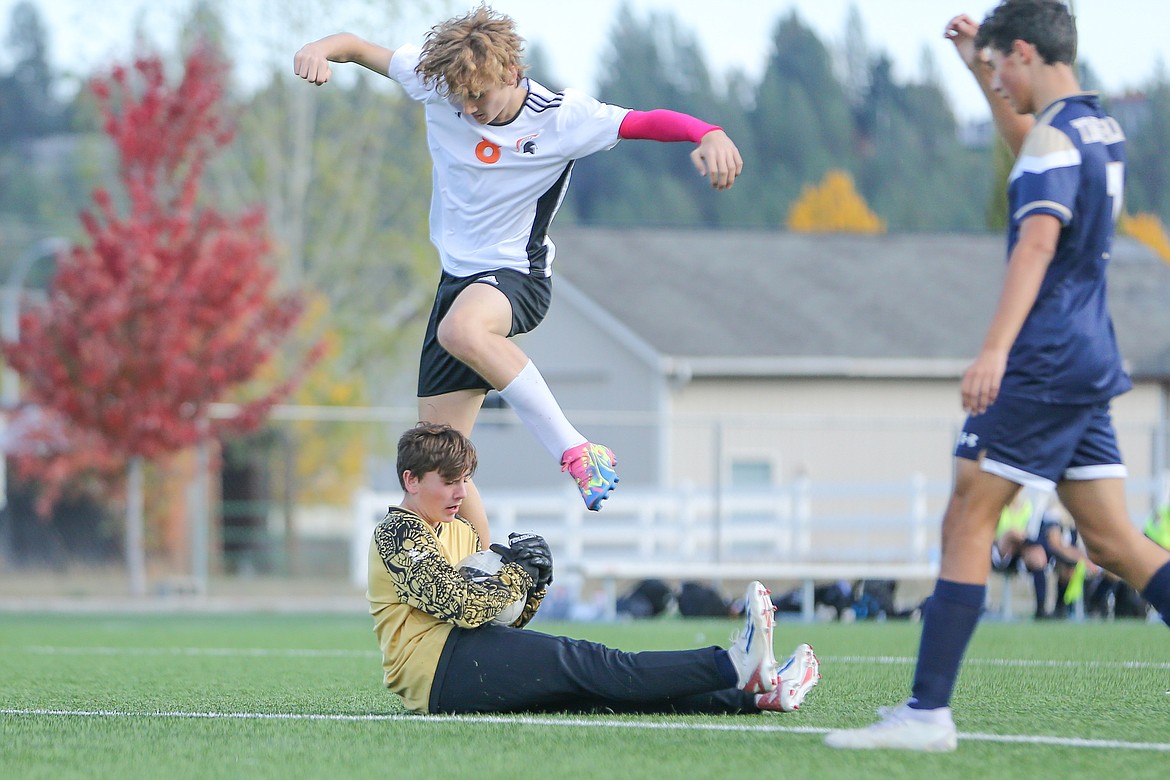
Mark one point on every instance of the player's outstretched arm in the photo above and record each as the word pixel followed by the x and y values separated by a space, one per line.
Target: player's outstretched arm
pixel 718 158
pixel 1013 127
pixel 715 157
pixel 312 61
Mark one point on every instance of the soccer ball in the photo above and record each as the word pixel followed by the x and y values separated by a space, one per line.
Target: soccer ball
pixel 481 565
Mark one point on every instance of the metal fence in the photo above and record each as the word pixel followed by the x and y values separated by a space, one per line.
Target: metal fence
pixel 788 488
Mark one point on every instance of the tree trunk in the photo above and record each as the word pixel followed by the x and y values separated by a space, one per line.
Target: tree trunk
pixel 135 535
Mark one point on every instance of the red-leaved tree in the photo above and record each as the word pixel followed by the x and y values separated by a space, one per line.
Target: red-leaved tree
pixel 168 307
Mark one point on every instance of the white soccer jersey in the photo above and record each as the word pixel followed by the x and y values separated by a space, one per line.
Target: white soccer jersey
pixel 496 188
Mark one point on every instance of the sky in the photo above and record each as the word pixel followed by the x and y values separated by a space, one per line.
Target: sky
pixel 1122 40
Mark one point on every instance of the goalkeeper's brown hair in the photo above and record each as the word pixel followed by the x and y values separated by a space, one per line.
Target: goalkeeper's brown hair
pixel 435 447
pixel 468 55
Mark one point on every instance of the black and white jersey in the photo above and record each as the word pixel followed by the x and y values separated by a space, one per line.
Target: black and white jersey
pixel 496 188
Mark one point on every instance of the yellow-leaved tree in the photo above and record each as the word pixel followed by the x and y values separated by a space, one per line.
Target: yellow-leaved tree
pixel 1149 230
pixel 833 206
pixel 330 455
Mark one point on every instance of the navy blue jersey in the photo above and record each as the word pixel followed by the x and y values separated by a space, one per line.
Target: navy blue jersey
pixel 1071 166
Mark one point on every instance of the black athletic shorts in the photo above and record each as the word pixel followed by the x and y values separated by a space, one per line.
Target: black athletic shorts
pixel 438 371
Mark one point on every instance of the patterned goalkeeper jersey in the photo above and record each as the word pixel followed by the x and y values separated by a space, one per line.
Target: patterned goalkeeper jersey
pixel 416 595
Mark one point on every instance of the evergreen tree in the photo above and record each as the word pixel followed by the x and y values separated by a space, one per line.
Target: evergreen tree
pixel 1148 171
pixel 801 125
pixel 28 108
pixel 856 57
pixel 911 156
pixel 652 64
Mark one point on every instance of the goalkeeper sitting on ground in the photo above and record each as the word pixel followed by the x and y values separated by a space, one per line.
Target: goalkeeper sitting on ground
pixel 442 652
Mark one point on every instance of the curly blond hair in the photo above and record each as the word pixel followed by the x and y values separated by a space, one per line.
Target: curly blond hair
pixel 471 54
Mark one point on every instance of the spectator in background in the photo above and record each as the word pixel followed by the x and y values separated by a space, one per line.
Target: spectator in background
pixel 1052 548
pixel 1158 526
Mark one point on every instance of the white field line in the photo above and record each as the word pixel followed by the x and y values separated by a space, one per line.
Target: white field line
pixel 575 723
pixel 1021 663
pixel 257 652
pixel 263 652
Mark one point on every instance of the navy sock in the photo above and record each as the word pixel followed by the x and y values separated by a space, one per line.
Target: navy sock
pixel 726 667
pixel 1040 582
pixel 948 622
pixel 1157 592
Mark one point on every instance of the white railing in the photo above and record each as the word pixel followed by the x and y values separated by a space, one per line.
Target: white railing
pixel 799 532
pixel 802 532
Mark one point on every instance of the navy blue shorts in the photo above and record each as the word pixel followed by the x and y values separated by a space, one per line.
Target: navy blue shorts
pixel 1039 444
pixel 438 371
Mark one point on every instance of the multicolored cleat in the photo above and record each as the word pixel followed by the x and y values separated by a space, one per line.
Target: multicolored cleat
pixel 795 679
pixel 751 648
pixel 592 466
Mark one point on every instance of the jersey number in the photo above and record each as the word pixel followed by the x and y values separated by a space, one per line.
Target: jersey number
pixel 1115 185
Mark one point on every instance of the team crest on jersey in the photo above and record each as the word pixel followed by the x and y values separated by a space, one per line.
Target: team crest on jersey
pixel 527 144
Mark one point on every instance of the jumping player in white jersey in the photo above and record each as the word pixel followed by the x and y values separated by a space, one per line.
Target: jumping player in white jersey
pixel 503 147
pixel 1038 393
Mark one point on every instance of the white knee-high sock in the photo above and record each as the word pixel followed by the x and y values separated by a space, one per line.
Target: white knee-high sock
pixel 533 402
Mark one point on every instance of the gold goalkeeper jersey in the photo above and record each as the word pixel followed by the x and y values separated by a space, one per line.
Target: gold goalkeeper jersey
pixel 416 595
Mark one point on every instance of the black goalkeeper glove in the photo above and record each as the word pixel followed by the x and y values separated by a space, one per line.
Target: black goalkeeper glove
pixel 535 549
pixel 510 555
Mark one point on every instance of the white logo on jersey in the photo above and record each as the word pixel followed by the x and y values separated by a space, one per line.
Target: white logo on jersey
pixel 489 280
pixel 1098 130
pixel 416 555
pixel 968 439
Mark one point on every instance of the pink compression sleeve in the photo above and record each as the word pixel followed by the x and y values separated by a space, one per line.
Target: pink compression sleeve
pixel 664 125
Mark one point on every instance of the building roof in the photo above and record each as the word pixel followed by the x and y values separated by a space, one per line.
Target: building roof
pixel 761 303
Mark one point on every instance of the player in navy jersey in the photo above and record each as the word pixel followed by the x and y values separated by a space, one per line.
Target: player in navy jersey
pixel 503 147
pixel 1038 393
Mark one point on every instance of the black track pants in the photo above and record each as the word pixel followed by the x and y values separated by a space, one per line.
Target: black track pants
pixel 502 669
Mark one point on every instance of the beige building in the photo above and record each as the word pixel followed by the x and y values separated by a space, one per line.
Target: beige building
pixel 732 360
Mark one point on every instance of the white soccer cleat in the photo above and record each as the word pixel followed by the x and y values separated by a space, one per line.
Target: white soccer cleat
pixel 796 678
pixel 902 728
pixel 751 647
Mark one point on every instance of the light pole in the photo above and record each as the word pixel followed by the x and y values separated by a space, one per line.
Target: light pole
pixel 13 290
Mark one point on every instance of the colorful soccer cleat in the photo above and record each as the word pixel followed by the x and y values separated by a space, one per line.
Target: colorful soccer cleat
pixel 795 679
pixel 592 465
pixel 751 647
